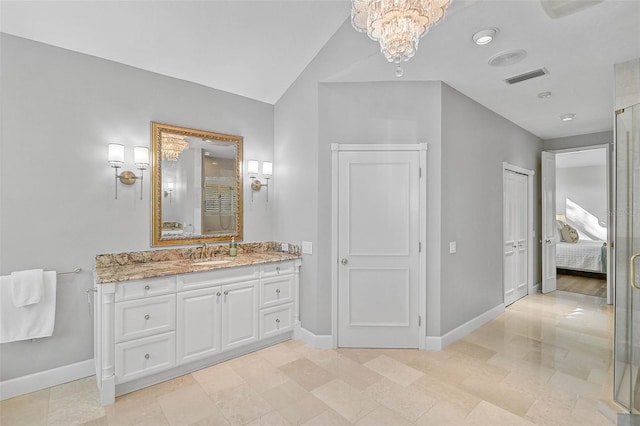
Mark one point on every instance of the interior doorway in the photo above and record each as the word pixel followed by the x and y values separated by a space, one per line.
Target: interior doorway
pixel 576 226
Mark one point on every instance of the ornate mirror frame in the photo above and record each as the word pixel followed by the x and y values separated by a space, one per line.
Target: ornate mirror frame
pixel 159 192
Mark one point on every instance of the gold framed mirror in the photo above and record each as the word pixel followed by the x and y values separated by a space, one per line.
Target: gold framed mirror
pixel 196 186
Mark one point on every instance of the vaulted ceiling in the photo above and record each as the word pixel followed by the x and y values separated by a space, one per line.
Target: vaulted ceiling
pixel 258 48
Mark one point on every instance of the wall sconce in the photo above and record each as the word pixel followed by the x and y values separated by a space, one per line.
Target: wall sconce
pixel 168 190
pixel 267 172
pixel 116 160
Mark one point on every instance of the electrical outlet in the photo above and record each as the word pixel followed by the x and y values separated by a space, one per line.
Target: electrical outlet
pixel 285 247
pixel 453 247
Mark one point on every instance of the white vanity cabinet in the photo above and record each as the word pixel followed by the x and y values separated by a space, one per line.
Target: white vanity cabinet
pixel 151 330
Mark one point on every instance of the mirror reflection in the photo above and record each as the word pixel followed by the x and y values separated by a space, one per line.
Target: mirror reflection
pixel 197 186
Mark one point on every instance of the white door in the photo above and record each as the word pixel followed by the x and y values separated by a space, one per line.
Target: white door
pixel 198 324
pixel 378 228
pixel 239 314
pixel 548 222
pixel 516 236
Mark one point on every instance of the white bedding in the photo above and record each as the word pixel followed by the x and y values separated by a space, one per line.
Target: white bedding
pixel 581 256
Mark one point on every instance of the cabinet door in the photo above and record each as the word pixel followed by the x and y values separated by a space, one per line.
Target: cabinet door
pixel 239 314
pixel 198 324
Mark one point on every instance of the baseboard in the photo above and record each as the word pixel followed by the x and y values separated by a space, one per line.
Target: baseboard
pixel 318 341
pixel 438 343
pixel 537 288
pixel 46 379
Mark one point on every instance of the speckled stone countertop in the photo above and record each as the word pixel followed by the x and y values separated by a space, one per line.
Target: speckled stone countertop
pixel 120 267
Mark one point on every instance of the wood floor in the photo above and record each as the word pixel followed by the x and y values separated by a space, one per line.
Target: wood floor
pixel 591 286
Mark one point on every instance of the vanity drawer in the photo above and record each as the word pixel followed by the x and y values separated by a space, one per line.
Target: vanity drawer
pixel 146 356
pixel 276 320
pixel 276 290
pixel 143 288
pixel 144 317
pixel 223 276
pixel 276 268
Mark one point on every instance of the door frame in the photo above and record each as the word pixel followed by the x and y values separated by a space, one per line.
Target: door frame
pixel 421 148
pixel 531 233
pixel 610 168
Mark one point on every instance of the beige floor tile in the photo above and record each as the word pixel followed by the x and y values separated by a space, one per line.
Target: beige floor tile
pixel 327 418
pixel 145 411
pixel 441 415
pixel 575 385
pixel 279 355
pixel 382 416
pixel 101 421
pixel 587 412
pixel 471 349
pixel 270 419
pixel 508 398
pixel 349 402
pixel 350 371
pixel 187 405
pixel 304 409
pixel 216 419
pixel 409 402
pixel 307 373
pixel 217 378
pixel 241 404
pixel 488 414
pixel 29 409
pixel 75 403
pixel 358 355
pixel 394 370
pixel 152 392
pixel 285 394
pixel 448 395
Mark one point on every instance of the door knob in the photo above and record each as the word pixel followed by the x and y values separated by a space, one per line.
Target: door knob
pixel 344 261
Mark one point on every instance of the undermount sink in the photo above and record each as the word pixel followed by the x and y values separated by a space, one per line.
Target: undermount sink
pixel 211 262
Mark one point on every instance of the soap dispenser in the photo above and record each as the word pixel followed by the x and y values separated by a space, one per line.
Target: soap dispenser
pixel 233 250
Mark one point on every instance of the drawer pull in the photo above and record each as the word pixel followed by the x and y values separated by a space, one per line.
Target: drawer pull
pixel 226 292
pixel 278 269
pixel 278 323
pixel 146 356
pixel 278 291
pixel 147 287
pixel 147 317
pixel 218 294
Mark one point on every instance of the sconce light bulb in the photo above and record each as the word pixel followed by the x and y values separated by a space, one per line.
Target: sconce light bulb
pixel 115 155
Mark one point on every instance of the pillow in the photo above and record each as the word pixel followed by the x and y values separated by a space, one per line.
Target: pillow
pixel 558 234
pixel 569 234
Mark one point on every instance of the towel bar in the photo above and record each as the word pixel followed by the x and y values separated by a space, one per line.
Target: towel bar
pixel 75 271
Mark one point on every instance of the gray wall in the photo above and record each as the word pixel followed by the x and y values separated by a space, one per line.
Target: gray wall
pixel 59 111
pixel 380 112
pixel 578 141
pixel 585 186
pixel 475 143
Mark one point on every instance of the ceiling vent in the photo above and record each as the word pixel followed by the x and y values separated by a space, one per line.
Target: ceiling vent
pixel 527 76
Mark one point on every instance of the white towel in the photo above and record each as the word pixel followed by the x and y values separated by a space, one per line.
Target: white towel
pixel 26 287
pixel 27 322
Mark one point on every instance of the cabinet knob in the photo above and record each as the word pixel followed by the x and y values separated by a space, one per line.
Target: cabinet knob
pixel 278 269
pixel 218 294
pixel 147 316
pixel 277 322
pixel 278 290
pixel 226 292
pixel 147 287
pixel 146 356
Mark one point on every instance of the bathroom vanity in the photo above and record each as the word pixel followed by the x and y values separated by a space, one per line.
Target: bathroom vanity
pixel 162 314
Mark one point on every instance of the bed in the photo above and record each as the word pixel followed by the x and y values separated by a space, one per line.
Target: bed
pixel 583 255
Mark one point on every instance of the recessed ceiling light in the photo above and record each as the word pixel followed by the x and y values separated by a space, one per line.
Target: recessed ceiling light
pixel 485 36
pixel 544 95
pixel 567 117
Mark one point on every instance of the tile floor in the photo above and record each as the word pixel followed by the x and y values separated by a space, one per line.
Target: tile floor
pixel 546 360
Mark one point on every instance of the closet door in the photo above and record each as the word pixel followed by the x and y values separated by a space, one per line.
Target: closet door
pixel 515 240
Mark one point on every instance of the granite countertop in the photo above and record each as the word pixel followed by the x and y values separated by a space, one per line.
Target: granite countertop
pixel 121 267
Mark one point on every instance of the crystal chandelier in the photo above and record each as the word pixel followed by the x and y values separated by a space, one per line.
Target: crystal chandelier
pixel 172 146
pixel 397 24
